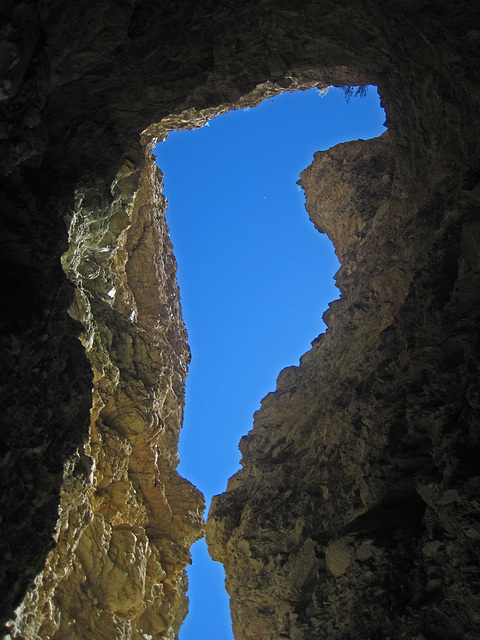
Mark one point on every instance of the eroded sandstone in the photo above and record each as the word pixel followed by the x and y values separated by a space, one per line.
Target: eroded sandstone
pixel 126 526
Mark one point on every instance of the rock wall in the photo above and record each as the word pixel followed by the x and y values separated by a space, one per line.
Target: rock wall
pixel 126 518
pixel 356 513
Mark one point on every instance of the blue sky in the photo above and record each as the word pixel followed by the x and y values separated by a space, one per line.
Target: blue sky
pixel 255 277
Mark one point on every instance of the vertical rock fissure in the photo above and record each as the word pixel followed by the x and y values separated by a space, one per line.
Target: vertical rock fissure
pixel 356 513
pixel 248 321
pixel 126 518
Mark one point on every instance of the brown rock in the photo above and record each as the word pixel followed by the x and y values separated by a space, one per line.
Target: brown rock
pixel 363 447
pixel 125 529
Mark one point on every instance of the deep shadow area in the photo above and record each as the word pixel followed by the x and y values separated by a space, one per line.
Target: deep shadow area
pixel 87 89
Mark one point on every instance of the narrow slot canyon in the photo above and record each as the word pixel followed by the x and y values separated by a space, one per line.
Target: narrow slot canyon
pixel 255 277
pixel 355 513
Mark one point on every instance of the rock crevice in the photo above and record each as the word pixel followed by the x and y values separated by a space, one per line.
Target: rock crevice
pixel 361 473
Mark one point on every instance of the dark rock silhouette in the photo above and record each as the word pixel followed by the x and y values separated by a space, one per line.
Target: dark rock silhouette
pixel 357 512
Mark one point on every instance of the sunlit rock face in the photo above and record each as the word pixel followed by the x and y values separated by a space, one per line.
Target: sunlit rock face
pixel 126 518
pixel 356 513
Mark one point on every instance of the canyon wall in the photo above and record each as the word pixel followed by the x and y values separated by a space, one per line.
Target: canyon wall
pixel 126 519
pixel 356 514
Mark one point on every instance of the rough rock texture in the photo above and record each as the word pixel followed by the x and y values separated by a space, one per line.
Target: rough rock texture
pixel 356 514
pixel 126 518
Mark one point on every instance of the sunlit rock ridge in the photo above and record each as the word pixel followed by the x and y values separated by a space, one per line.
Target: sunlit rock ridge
pixel 357 512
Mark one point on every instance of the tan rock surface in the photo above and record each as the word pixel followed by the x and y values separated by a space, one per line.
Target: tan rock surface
pixel 125 529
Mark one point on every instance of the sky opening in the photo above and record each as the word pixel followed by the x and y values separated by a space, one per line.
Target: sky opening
pixel 255 278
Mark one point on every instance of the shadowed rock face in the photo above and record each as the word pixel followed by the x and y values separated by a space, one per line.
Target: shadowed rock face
pixel 356 514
